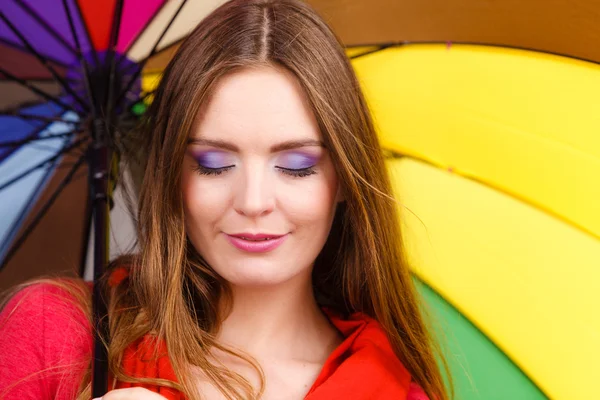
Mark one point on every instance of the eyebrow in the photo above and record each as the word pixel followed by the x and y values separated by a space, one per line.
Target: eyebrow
pixel 289 145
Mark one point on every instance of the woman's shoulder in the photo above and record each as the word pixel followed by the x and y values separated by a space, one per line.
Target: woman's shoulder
pixel 44 327
pixel 60 300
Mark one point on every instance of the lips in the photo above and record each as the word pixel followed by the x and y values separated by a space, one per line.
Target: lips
pixel 257 242
pixel 255 236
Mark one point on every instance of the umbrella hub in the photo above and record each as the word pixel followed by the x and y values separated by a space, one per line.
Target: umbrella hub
pixel 112 84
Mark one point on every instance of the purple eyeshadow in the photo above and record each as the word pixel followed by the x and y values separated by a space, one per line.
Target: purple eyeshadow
pixel 213 159
pixel 297 161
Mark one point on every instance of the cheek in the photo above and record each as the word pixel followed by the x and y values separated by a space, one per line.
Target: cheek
pixel 204 201
pixel 311 203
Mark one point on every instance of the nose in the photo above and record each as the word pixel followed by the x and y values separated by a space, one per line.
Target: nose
pixel 254 195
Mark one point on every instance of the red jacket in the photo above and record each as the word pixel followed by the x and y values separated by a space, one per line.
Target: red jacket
pixel 363 366
pixel 40 331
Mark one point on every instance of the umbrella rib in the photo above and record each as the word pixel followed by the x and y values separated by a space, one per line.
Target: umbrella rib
pixel 21 49
pixel 23 105
pixel 44 61
pixel 46 26
pixel 85 28
pixel 146 95
pixel 41 164
pixel 43 147
pixel 149 56
pixel 40 214
pixel 114 36
pixel 19 114
pixel 86 68
pixel 36 90
pixel 116 25
pixel 379 48
pixel 31 136
pixel 141 65
pixel 27 140
pixel 41 79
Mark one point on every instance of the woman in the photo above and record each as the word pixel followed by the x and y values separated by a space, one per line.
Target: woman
pixel 269 263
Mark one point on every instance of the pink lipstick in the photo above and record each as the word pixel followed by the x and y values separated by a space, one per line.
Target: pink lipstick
pixel 256 243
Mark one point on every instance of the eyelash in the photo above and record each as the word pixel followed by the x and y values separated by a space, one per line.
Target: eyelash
pixel 296 173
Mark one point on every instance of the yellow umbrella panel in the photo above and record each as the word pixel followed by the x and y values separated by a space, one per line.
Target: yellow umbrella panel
pixel 498 194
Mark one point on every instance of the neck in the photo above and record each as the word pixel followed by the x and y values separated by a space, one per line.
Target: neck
pixel 276 321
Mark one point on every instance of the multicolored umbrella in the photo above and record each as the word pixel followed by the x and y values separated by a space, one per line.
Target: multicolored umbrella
pixel 489 113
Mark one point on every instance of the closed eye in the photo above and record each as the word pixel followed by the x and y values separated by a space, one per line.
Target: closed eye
pixel 299 173
pixel 211 171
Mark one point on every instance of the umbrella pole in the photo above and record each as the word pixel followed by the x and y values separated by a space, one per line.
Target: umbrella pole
pixel 99 164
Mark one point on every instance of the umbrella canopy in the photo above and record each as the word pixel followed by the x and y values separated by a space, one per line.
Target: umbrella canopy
pixel 489 114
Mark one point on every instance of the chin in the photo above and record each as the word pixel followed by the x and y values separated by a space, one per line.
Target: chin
pixel 257 272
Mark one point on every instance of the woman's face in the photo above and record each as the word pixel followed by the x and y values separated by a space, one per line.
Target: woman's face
pixel 259 188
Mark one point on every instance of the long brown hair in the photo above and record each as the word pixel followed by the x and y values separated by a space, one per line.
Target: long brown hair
pixel 172 292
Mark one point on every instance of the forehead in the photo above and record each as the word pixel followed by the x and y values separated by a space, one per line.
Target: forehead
pixel 260 103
